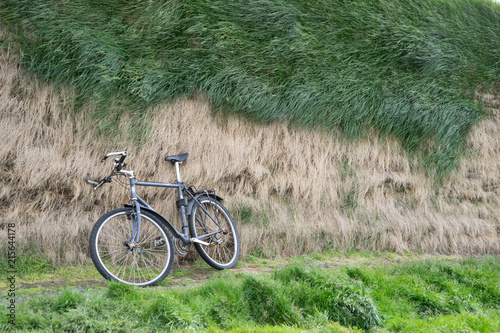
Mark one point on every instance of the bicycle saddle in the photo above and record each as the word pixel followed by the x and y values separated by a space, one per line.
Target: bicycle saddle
pixel 177 158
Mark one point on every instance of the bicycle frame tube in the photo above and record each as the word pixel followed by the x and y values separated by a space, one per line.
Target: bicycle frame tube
pixel 155 184
pixel 179 187
pixel 139 202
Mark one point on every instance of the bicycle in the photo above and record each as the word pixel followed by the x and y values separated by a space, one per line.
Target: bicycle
pixel 134 245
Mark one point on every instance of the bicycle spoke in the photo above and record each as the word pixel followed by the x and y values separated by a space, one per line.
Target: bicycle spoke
pixel 117 246
pixel 216 215
pixel 153 237
pixel 147 266
pixel 123 266
pixel 127 233
pixel 110 238
pixel 202 225
pixel 117 233
pixel 130 271
pixel 153 264
pixel 141 273
pixel 111 252
pixel 138 270
pixel 155 255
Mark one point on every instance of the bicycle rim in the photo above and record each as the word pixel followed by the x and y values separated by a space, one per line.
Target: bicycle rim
pixel 144 263
pixel 225 245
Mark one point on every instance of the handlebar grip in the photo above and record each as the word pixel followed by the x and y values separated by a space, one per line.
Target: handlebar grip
pixel 87 179
pixel 122 153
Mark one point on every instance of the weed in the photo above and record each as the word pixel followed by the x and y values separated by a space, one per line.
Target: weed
pixel 245 214
pixel 172 313
pixel 342 302
pixel 121 290
pixel 269 302
pixel 69 299
pixel 28 260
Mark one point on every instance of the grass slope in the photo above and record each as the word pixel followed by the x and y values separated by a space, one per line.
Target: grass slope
pixel 425 296
pixel 406 68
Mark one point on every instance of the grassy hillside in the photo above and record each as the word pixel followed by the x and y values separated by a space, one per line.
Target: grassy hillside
pixel 74 70
pixel 290 191
pixel 405 68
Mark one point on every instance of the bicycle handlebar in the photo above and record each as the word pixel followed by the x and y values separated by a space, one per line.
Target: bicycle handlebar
pixel 122 153
pixel 91 182
pixel 98 184
pixel 117 167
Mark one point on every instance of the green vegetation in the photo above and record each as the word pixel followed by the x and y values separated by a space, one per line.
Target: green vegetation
pixel 25 264
pixel 27 260
pixel 427 296
pixel 408 68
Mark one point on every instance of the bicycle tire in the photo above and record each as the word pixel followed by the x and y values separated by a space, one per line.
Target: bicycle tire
pixel 226 247
pixel 143 265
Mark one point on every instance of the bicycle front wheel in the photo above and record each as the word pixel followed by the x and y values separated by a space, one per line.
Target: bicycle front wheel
pixel 211 217
pixel 118 257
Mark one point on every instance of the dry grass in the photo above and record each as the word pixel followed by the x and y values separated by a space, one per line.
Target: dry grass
pixel 290 190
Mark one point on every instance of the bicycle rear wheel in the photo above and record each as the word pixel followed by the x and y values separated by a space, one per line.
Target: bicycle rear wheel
pixel 224 248
pixel 116 256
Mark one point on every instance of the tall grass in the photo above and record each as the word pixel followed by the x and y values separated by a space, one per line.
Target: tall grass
pixel 406 68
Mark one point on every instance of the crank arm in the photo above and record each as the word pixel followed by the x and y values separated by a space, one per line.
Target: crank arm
pixel 217 242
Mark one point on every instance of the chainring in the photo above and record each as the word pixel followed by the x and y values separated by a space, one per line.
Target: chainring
pixel 181 249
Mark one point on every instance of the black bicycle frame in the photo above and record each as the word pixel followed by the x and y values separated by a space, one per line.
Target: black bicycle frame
pixel 139 203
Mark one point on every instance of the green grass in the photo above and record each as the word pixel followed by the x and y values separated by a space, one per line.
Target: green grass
pixel 26 260
pixel 423 296
pixel 408 68
pixel 181 272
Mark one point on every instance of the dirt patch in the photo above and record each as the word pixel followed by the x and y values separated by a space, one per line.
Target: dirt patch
pixel 83 284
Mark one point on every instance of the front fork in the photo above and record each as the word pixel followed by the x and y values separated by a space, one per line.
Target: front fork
pixel 136 223
pixel 136 216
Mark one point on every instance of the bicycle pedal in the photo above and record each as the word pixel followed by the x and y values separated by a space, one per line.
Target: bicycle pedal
pixel 217 242
pixel 158 241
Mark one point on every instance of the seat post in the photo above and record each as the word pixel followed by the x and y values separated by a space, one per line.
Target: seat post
pixel 177 173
